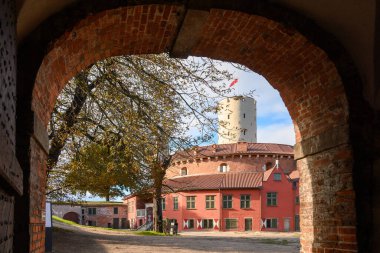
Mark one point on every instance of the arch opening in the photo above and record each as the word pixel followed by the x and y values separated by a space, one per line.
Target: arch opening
pixel 302 72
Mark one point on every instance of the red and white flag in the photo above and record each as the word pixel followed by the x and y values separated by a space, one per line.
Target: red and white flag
pixel 233 83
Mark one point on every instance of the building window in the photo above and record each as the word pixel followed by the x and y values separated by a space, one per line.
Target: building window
pixel 277 176
pixel 244 115
pixel 140 212
pixel 231 223
pixel 245 201
pixel 91 223
pixel 244 131
pixel 271 223
pixel 82 211
pixel 227 201
pixel 297 200
pixel 183 171
pixel 190 202
pixel 191 223
pixel 228 116
pixel 92 211
pixel 223 167
pixel 271 198
pixel 210 201
pixel 163 206
pixel 175 203
pixel 208 223
pixel 115 210
pixel 294 184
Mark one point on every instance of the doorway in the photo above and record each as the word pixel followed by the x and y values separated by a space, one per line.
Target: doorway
pixel 286 224
pixel 116 223
pixel 297 223
pixel 248 224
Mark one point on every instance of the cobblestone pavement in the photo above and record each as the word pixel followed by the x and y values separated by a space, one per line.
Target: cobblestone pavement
pixel 86 240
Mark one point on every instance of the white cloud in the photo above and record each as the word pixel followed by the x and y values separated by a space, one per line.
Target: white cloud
pixel 276 133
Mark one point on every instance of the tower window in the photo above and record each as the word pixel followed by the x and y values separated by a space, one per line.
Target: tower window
pixel 223 167
pixel 228 116
pixel 183 171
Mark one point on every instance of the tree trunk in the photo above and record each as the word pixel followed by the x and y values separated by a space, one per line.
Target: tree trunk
pixel 58 139
pixel 159 172
pixel 157 210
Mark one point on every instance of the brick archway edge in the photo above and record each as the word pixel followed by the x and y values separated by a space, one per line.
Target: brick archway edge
pixel 316 85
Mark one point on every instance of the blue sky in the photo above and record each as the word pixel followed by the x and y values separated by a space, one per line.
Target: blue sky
pixel 274 124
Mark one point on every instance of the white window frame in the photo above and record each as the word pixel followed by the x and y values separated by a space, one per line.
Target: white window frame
pixel 190 202
pixel 223 168
pixel 231 219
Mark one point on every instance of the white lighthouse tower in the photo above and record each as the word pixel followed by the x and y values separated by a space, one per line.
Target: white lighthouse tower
pixel 237 120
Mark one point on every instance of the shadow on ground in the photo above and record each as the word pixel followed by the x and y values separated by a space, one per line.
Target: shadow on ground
pixel 70 241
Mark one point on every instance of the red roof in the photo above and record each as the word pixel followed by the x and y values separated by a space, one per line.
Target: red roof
pixel 267 174
pixel 215 181
pixel 294 175
pixel 235 148
pixel 242 180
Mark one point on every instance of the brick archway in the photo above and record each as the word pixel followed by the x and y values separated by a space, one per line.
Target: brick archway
pixel 305 76
pixel 72 216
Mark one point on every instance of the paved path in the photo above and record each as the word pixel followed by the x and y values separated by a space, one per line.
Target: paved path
pixel 85 240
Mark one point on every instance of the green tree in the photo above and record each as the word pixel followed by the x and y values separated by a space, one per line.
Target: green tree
pixel 116 123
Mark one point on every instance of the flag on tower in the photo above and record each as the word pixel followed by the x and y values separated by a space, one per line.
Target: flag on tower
pixel 233 83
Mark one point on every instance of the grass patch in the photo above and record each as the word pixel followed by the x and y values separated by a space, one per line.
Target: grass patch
pixel 149 233
pixel 71 223
pixel 68 222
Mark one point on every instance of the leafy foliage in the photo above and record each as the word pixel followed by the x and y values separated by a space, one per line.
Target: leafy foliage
pixel 116 123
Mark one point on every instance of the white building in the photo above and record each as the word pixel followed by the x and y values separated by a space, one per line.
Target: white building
pixel 237 120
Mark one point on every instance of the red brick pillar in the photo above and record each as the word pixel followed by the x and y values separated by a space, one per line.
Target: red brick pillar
pixel 39 148
pixel 326 192
pixel 30 230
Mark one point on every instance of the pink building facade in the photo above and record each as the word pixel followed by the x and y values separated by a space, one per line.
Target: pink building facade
pixel 139 211
pixel 231 187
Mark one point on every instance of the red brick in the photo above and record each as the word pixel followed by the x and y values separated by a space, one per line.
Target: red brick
pixel 291 63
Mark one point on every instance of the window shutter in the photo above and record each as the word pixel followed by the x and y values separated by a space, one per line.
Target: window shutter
pixel 264 223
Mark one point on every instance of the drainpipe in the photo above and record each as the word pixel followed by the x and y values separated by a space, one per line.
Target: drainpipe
pixel 220 210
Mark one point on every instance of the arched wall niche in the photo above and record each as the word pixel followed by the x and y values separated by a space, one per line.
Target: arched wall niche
pixel 307 77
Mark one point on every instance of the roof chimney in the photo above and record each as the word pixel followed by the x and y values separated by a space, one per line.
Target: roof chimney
pixel 242 147
pixel 277 164
pixel 213 148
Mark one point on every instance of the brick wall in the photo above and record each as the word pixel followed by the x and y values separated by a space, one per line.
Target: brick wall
pixel 130 30
pixel 104 215
pixel 305 76
pixel 235 164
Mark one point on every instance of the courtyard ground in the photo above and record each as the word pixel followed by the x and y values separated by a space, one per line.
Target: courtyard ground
pixel 69 239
